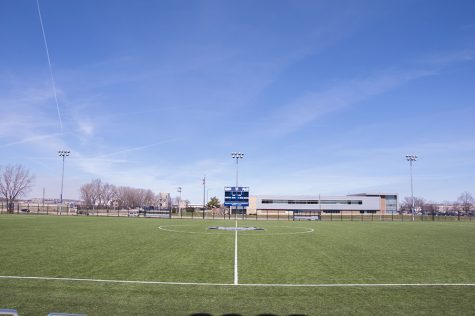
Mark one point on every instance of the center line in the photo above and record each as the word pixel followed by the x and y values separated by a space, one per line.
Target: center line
pixel 235 257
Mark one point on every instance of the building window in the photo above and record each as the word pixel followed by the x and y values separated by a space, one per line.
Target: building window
pixel 331 202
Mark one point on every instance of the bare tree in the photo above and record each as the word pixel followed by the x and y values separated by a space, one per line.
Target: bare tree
pixel 149 198
pixel 15 181
pixel 108 194
pixel 88 195
pixel 97 189
pixel 431 207
pixel 406 205
pixel 454 208
pixel 466 202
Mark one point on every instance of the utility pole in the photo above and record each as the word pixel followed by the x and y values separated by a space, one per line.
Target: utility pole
pixel 179 200
pixel 204 196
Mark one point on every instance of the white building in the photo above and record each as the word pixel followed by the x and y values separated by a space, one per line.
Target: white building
pixel 364 203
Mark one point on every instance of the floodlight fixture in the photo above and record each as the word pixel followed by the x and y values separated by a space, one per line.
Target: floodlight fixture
pixel 237 156
pixel 411 157
pixel 63 153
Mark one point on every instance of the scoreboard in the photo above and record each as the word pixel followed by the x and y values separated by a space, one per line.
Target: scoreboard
pixel 236 196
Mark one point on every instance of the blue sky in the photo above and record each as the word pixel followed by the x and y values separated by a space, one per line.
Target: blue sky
pixel 322 96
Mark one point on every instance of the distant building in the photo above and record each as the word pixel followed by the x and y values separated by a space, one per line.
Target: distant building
pixel 164 200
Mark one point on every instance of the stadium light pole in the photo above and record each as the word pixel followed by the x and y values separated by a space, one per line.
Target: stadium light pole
pixel 63 154
pixel 411 159
pixel 237 156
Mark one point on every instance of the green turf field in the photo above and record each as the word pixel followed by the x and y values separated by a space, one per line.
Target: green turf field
pixel 288 268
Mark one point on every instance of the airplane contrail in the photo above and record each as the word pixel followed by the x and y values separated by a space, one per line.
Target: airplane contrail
pixel 50 67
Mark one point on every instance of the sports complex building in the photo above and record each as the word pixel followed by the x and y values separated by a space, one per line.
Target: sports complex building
pixel 353 204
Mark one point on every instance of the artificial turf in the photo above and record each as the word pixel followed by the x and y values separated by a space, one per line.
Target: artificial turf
pixel 283 253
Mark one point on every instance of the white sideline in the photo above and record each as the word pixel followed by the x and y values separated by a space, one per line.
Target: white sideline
pixel 235 257
pixel 245 284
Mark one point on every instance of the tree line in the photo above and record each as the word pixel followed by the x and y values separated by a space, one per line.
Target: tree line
pixel 103 194
pixel 17 181
pixel 464 204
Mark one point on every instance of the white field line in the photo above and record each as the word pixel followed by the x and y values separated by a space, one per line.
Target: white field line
pixel 241 284
pixel 235 257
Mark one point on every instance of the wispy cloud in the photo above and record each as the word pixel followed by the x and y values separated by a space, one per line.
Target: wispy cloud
pixel 138 148
pixel 328 180
pixel 315 104
pixel 348 93
pixel 86 128
pixel 32 139
pixel 444 59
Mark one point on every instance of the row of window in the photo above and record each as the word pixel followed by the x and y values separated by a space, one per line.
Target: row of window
pixel 346 202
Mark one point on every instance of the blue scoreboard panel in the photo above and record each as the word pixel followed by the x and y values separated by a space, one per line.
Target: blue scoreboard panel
pixel 236 196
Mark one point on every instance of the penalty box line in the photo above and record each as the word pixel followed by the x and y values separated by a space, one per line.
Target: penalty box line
pixel 242 284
